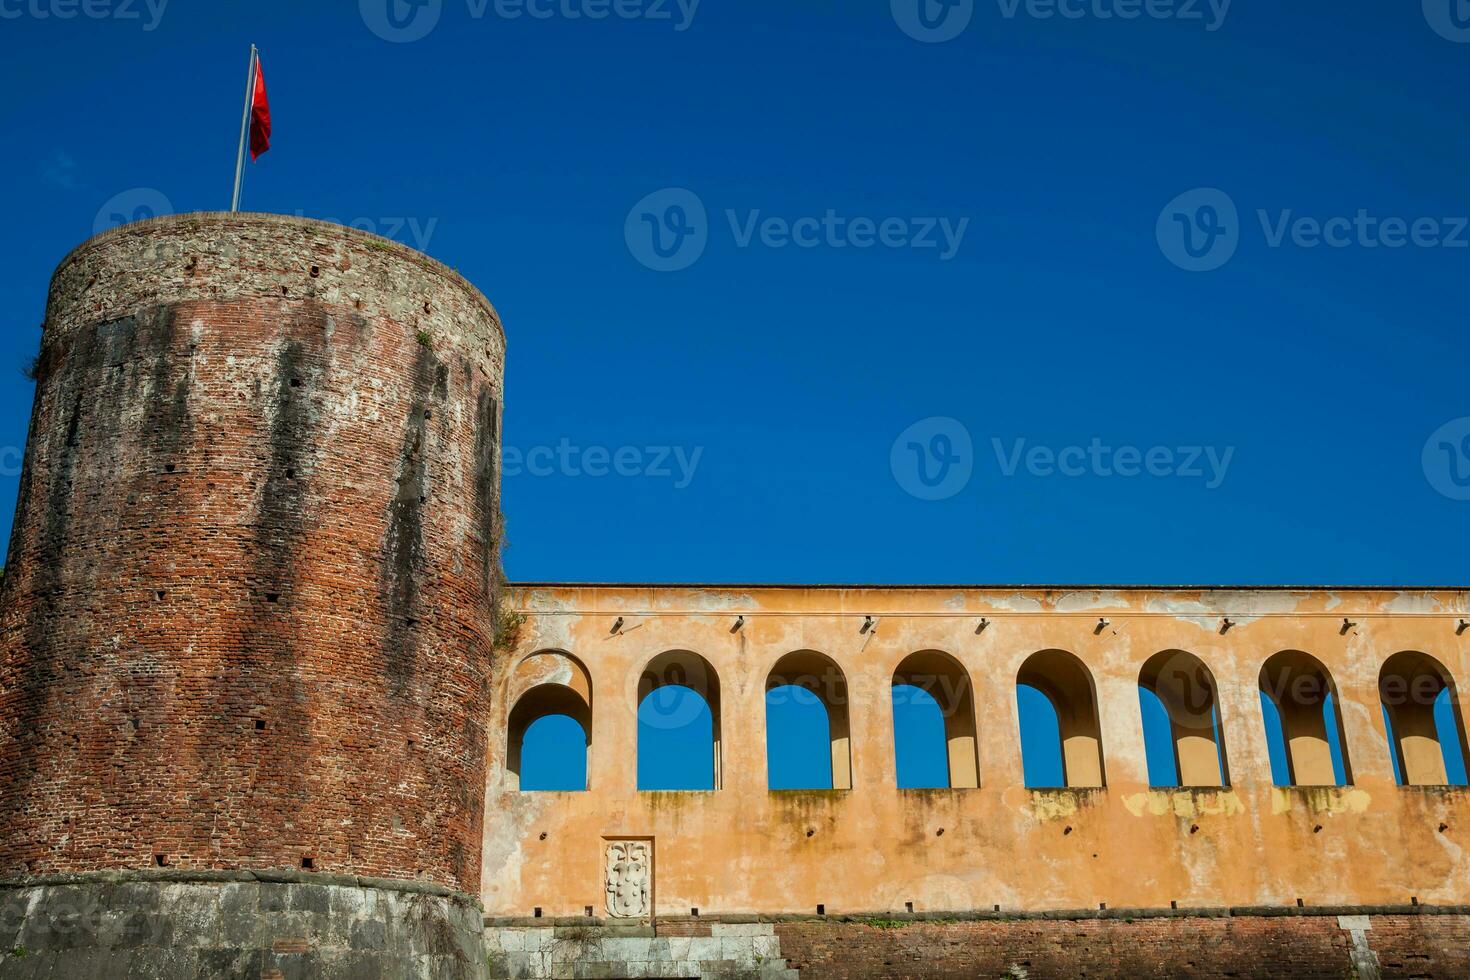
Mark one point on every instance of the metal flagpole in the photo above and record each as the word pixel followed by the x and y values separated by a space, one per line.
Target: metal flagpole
pixel 244 127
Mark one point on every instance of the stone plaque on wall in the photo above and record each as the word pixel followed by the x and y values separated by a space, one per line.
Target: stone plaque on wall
pixel 628 878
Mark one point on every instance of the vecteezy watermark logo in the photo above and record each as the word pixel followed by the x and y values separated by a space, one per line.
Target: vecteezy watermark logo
pixel 933 459
pixel 1446 459
pixel 667 230
pixel 1097 459
pixel 150 12
pixel 401 21
pixel 676 463
pixel 1199 230
pixel 414 232
pixel 137 204
pixel 1180 10
pixel 1449 18
pixel 932 21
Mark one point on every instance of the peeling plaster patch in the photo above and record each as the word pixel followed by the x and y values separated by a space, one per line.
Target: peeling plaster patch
pixel 1016 603
pixel 1333 601
pixel 1083 601
pixel 505 837
pixel 1242 606
pixel 1414 602
pixel 1320 799
pixel 1184 803
pixel 720 601
pixel 1056 804
pixel 957 602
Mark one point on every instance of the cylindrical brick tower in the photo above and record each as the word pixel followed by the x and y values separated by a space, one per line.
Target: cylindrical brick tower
pixel 246 624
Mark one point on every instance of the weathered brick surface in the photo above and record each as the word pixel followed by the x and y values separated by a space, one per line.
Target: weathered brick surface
pixel 246 616
pixel 1421 945
pixel 1287 946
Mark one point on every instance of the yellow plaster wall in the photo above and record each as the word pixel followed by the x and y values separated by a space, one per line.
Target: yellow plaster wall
pixel 874 848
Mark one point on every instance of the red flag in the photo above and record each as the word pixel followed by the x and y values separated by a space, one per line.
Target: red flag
pixel 260 116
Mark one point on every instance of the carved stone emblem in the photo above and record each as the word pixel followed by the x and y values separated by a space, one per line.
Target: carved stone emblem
pixel 629 873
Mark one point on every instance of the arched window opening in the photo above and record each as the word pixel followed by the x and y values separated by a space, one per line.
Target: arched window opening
pixel 1061 740
pixel 934 723
pixel 554 755
pixel 1303 727
pixel 549 731
pixel 1181 722
pixel 808 741
pixel 1421 714
pixel 679 724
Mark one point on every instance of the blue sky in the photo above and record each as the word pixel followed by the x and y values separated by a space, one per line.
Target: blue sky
pixel 989 229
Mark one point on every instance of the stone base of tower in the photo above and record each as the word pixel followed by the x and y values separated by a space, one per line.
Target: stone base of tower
pixel 260 925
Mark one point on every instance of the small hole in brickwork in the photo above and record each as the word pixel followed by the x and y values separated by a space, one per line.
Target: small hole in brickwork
pixel 423 498
pixel 939 832
pixel 260 724
pixel 272 597
pixel 694 911
pixel 162 595
pixel 161 860
pixel 357 304
pixel 537 912
pixel 1300 903
pixel 543 835
pixel 428 308
pixel 290 474
pixel 134 722
pixel 1194 828
pixel 1443 827
pixel 1102 906
pixel 308 864
pixel 908 906
pixel 315 271
pixel 411 623
pixel 285 291
pixel 587 910
pixel 821 910
pixel 811 832
pixel 168 467
pixel 295 382
pixel 1173 905
pixel 428 413
pixel 1413 899
pixel 1066 831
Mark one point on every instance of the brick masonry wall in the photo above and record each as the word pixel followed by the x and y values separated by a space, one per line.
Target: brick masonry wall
pixel 247 611
pixel 1363 944
pixel 1247 947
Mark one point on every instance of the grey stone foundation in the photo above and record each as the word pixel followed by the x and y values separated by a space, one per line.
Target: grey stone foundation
pixel 730 951
pixel 260 925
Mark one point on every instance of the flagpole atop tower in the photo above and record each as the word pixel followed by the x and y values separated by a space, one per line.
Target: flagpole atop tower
pixel 245 126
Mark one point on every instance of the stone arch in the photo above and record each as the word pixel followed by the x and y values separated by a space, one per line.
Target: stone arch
pixel 1067 684
pixel 546 683
pixel 1299 686
pixel 1187 690
pixel 1409 686
pixel 945 679
pixel 686 669
pixel 819 674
